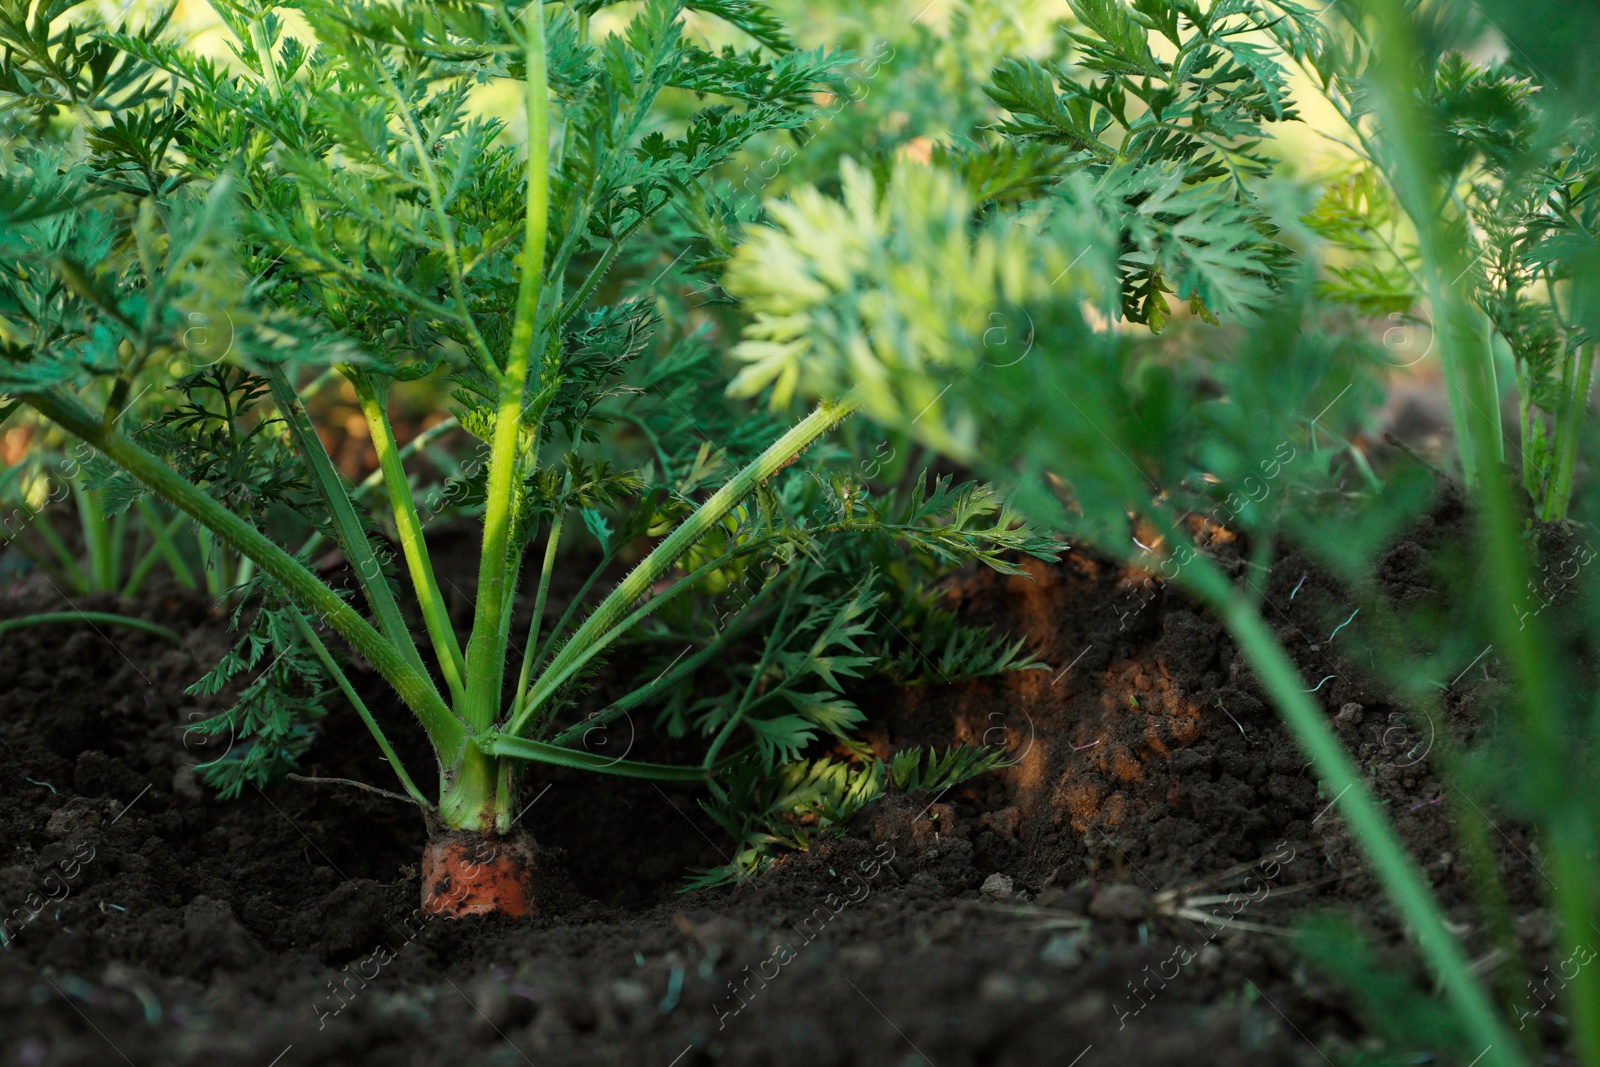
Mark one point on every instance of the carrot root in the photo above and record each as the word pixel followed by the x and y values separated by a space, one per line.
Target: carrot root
pixel 466 873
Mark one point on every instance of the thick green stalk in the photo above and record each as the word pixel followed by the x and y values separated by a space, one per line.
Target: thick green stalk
pixel 444 730
pixel 1401 877
pixel 479 795
pixel 1525 425
pixel 486 650
pixel 472 798
pixel 611 610
pixel 1411 171
pixel 269 66
pixel 413 544
pixel 346 523
pixel 119 530
pixel 1525 644
pixel 1496 429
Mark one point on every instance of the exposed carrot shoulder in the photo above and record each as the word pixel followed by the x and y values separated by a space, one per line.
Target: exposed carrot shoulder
pixel 466 873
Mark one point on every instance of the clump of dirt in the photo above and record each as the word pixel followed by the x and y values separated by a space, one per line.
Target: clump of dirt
pixel 1109 897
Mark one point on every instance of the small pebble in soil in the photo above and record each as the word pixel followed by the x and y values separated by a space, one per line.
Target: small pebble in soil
pixel 629 993
pixel 1001 988
pixel 998 887
pixel 1064 950
pixel 76 818
pixel 1121 901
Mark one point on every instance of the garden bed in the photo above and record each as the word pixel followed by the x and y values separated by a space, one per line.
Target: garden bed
pixel 282 928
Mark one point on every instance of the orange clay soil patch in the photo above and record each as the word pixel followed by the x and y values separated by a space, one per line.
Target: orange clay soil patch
pixel 466 873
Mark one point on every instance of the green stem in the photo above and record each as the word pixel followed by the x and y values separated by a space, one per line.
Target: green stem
pixel 741 626
pixel 371 396
pixel 473 798
pixel 1493 376
pixel 674 674
pixel 1472 827
pixel 534 625
pixel 57 617
pixel 332 667
pixel 548 644
pixel 203 542
pixel 1398 873
pixel 557 676
pixel 375 479
pixel 96 540
pixel 141 570
pixel 1525 417
pixel 210 561
pixel 58 547
pixel 346 523
pixel 269 67
pixel 610 611
pixel 118 534
pixel 795 584
pixel 163 536
pixel 486 649
pixel 1542 712
pixel 521 748
pixel 1568 431
pixel 444 730
pixel 436 192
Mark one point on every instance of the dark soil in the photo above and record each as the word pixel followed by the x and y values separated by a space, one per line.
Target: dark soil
pixel 155 925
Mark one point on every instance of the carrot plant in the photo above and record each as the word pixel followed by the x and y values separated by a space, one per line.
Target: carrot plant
pixel 1515 188
pixel 1132 171
pixel 104 561
pixel 341 199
